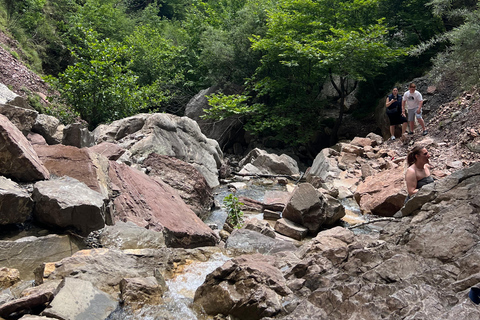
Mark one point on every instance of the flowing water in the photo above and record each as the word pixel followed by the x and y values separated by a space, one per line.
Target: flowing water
pixel 253 189
pixel 178 299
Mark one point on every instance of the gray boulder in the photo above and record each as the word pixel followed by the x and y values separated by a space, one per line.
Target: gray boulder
pixel 77 135
pixel 324 168
pixel 17 109
pixel 127 235
pixel 249 241
pixel 69 203
pixel 247 287
pixel 46 126
pixel 16 205
pixel 259 161
pixel 26 254
pixel 80 300
pixel 164 134
pixel 305 208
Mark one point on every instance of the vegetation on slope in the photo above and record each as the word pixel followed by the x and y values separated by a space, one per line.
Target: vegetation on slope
pixel 114 58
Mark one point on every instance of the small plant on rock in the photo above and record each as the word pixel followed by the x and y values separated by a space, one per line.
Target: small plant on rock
pixel 234 214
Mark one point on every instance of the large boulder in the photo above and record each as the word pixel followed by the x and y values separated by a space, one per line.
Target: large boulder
pixel 249 241
pixel 324 168
pixel 78 135
pixel 185 179
pixel 26 254
pixel 382 194
pixel 227 131
pixel 164 134
pixel 127 235
pixel 16 205
pixel 81 164
pixel 259 161
pixel 247 287
pixel 311 209
pixel 46 126
pixel 18 159
pixel 155 205
pixel 15 107
pixel 68 203
pixel 7 95
pixel 80 300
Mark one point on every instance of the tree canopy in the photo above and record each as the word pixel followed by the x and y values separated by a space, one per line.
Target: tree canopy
pixel 114 58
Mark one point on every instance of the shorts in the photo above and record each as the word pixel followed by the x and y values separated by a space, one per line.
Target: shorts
pixel 412 114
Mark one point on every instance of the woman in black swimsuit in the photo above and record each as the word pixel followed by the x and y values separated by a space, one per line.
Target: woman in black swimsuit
pixel 418 171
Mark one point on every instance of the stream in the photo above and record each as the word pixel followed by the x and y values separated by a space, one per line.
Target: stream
pixel 178 299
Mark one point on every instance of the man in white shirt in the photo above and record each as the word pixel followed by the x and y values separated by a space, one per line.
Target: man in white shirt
pixel 414 101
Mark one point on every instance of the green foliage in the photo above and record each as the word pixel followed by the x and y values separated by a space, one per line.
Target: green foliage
pixel 156 54
pixel 234 214
pixel 461 61
pixel 159 66
pixel 308 42
pixel 106 17
pixel 61 111
pixel 219 38
pixel 224 106
pixel 99 86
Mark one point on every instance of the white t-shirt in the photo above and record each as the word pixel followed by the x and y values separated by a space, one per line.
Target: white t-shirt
pixel 412 100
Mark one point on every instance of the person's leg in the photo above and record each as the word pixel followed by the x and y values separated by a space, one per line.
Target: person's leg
pixel 422 123
pixel 404 127
pixel 412 125
pixel 392 131
pixel 411 120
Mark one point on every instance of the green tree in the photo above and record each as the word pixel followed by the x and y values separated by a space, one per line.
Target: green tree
pixel 106 17
pixel 99 86
pixel 160 67
pixel 307 43
pixel 219 33
pixel 461 61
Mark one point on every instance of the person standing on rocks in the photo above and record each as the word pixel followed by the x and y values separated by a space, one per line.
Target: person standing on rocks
pixel 413 99
pixel 418 171
pixel 393 110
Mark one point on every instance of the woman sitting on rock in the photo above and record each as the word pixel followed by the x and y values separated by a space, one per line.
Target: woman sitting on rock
pixel 418 171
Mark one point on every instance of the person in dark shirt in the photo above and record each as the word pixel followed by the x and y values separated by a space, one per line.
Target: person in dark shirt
pixel 418 171
pixel 393 110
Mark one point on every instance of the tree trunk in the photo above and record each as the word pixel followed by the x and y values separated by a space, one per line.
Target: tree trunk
pixel 342 93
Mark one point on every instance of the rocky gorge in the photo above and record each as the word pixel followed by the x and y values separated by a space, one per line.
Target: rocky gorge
pixel 102 224
pixel 94 224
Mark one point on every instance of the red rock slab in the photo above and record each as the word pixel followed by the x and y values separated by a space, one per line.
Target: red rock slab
pixel 18 159
pixel 155 205
pixel 70 161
